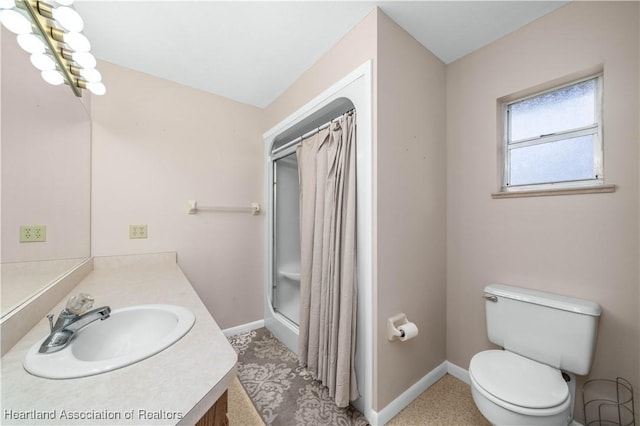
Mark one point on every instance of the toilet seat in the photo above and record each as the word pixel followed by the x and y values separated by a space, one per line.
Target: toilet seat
pixel 519 384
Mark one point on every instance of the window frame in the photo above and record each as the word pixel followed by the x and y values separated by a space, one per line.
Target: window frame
pixel 595 129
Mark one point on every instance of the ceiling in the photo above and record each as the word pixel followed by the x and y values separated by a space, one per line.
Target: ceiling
pixel 252 52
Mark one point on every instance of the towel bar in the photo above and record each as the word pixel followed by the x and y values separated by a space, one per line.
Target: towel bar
pixel 193 208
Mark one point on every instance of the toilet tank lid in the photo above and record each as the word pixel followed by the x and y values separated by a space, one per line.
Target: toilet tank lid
pixel 571 304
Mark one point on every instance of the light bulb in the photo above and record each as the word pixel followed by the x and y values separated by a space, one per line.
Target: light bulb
pixel 97 88
pixel 68 18
pixel 77 42
pixel 15 22
pixel 52 77
pixel 43 62
pixel 91 75
pixel 84 59
pixel 7 4
pixel 31 43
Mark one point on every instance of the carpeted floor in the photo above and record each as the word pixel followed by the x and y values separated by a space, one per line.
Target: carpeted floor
pixel 447 403
pixel 273 390
pixel 240 409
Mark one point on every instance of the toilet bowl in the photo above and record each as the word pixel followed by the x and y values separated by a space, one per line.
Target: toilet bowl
pixel 544 338
pixel 509 389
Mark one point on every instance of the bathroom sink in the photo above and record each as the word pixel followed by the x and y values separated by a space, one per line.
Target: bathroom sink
pixel 128 336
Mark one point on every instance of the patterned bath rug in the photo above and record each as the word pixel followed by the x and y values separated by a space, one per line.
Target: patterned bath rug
pixel 283 392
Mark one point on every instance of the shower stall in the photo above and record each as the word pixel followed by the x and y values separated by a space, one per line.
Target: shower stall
pixel 286 237
pixel 282 242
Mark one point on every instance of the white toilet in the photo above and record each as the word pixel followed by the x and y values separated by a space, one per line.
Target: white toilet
pixel 547 339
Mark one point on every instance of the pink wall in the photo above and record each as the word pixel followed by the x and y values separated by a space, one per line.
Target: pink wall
pixel 411 208
pixel 409 194
pixel 578 245
pixel 157 144
pixel 2 37
pixel 358 46
pixel 46 150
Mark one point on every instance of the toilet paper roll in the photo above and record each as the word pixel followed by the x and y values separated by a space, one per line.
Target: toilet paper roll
pixel 410 331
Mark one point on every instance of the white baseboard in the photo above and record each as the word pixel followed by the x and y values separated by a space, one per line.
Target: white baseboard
pixel 243 328
pixel 458 372
pixel 383 416
pixel 390 411
pixel 403 400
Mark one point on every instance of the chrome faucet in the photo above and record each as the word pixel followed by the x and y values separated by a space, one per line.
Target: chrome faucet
pixel 72 319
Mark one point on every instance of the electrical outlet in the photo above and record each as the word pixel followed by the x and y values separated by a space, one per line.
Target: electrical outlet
pixel 33 234
pixel 137 231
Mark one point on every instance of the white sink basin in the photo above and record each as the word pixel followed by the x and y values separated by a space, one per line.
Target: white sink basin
pixel 129 335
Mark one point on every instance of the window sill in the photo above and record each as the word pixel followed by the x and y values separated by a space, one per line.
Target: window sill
pixel 561 191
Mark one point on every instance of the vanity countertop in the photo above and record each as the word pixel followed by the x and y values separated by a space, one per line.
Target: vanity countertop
pixel 175 386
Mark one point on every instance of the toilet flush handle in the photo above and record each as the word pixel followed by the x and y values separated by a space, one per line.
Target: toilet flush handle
pixel 491 297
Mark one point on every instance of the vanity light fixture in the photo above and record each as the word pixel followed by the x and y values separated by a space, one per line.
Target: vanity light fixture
pixel 51 32
pixel 31 43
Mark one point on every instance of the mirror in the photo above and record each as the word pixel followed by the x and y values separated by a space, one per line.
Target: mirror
pixel 45 173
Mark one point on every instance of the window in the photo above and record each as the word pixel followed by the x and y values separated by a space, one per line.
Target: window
pixel 553 139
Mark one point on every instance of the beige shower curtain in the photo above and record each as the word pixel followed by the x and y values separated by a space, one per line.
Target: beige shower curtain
pixel 327 172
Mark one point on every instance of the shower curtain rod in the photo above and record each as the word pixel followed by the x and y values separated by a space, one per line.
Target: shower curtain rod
pixel 311 132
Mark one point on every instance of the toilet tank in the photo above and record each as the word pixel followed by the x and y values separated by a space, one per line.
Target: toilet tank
pixel 555 330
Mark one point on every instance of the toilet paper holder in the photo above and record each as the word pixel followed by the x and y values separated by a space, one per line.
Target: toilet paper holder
pixel 392 326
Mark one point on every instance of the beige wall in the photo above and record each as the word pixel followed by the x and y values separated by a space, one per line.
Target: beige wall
pixel 1 41
pixel 46 149
pixel 157 144
pixel 411 208
pixel 579 245
pixel 409 190
pixel 355 48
